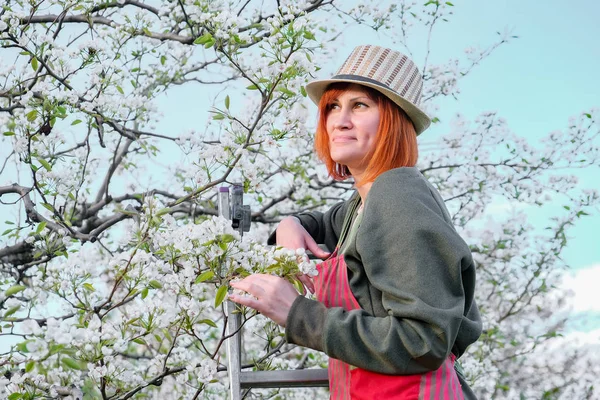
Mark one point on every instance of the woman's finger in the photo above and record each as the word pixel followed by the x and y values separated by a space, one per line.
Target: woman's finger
pixel 247 301
pixel 307 282
pixel 252 285
pixel 314 248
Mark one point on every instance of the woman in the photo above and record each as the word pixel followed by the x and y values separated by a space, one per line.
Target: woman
pixel 396 304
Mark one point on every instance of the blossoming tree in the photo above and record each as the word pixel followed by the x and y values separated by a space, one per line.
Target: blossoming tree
pixel 114 266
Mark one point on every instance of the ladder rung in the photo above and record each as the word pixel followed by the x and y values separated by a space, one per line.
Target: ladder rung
pixel 289 378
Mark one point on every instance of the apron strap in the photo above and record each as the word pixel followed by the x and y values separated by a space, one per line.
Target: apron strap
pixel 348 220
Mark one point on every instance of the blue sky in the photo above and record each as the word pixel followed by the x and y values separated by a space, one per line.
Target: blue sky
pixel 536 81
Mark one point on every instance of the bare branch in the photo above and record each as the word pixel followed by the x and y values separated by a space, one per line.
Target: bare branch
pixel 124 3
pixel 84 19
pixel 117 158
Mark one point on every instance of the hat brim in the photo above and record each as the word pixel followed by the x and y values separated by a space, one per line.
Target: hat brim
pixel 420 120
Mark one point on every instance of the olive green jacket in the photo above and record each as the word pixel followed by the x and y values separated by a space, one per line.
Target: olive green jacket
pixel 411 273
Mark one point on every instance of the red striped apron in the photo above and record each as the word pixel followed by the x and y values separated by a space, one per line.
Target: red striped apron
pixel 348 382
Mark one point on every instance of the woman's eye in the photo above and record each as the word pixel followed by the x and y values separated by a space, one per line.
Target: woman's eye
pixel 360 105
pixel 333 106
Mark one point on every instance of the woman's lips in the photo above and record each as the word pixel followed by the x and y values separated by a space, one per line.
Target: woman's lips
pixel 342 139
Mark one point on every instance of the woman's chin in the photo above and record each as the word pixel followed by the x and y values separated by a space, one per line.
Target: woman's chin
pixel 344 158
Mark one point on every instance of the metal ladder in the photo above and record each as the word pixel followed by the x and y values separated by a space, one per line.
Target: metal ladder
pixel 239 380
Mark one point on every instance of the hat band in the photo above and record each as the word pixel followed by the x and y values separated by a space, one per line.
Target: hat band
pixel 363 79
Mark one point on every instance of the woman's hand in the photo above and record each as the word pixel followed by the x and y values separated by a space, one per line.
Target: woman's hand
pixel 271 295
pixel 292 235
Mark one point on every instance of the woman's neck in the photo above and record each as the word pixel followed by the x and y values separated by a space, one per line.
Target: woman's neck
pixel 363 190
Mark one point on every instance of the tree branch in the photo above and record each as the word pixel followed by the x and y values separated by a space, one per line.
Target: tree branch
pixel 85 19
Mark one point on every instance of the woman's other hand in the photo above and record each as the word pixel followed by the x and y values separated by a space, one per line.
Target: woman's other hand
pixel 292 235
pixel 270 295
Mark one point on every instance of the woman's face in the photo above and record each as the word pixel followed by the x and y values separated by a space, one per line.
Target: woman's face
pixel 352 124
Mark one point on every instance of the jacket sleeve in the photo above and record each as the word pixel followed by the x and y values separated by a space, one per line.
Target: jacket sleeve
pixel 325 227
pixel 413 259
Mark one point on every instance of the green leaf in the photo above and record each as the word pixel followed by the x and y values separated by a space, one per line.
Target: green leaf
pixel 163 211
pixel 203 39
pixel 32 115
pixel 34 63
pixel 29 366
pixel 227 238
pixel 449 4
pixel 139 341
pixel 15 396
pixel 252 87
pixel 567 208
pixel 155 284
pixel 69 362
pixel 208 322
pixel 503 387
pixel 22 347
pixel 588 115
pixel 303 91
pixel 220 295
pixel 45 164
pixel 88 286
pixel 309 35
pixel 209 44
pixel 11 311
pixel 286 91
pixel 144 293
pixel 203 277
pixel 218 116
pixel 77 121
pixel 41 227
pixel 48 206
pixel 227 102
pixel 11 291
pixel 163 60
pixel 298 285
pixel 9 134
pixel 120 89
pixel 55 348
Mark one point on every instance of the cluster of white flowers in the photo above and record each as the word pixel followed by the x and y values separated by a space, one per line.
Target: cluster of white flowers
pixel 443 79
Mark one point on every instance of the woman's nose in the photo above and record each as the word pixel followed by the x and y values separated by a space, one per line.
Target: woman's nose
pixel 342 120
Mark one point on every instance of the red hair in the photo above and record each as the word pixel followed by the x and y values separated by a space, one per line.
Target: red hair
pixel 396 144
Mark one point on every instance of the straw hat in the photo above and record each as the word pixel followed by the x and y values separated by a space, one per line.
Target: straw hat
pixel 387 71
